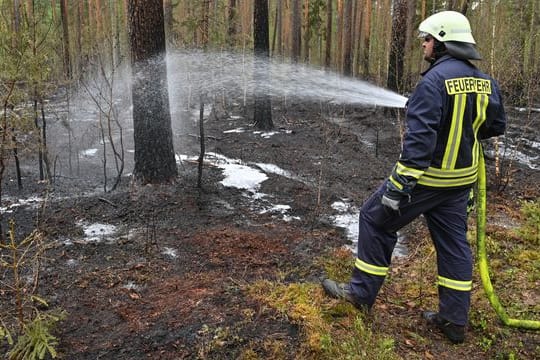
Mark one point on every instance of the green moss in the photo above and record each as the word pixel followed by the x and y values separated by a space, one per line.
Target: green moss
pixel 331 329
pixel 530 229
pixel 338 266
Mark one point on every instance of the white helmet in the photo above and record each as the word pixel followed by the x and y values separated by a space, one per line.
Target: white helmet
pixel 454 30
pixel 448 26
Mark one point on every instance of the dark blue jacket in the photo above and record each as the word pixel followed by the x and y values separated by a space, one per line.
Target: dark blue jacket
pixel 452 107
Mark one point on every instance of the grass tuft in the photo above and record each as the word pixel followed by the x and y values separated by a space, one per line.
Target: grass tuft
pixel 331 329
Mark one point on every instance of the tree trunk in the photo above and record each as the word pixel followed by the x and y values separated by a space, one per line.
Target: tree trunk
pixel 78 39
pixel 366 35
pixel 17 161
pixel 39 131
pixel 154 153
pixel 262 116
pixel 53 11
pixel 359 23
pixel 16 16
pixel 65 32
pixel 276 27
pixel 4 140
pixel 168 15
pixel 397 45
pixel 118 20
pixel 169 21
pixel 279 28
pixel 529 53
pixel 409 43
pixel 203 143
pixel 99 20
pixel 30 10
pixel 35 90
pixel 339 37
pixel 384 26
pixel 451 5
pixel 91 27
pixel 347 38
pixel 464 7
pixel 205 24
pixel 328 47
pixel 296 45
pixel 307 32
pixel 231 28
pixel 45 152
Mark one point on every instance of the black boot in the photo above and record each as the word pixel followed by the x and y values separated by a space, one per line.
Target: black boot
pixel 342 291
pixel 455 333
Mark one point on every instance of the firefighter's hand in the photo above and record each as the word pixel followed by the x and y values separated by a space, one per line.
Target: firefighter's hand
pixel 392 196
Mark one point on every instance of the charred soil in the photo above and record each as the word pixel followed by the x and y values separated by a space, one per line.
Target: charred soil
pixel 171 283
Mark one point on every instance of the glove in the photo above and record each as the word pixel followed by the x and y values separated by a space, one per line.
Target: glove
pixel 392 196
pixel 391 200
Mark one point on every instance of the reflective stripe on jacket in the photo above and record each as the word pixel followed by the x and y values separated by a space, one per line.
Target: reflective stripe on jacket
pixel 452 107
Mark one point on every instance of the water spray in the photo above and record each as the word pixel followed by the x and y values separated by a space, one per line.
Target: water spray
pixel 233 73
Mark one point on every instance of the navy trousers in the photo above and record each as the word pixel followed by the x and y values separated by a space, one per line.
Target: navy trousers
pixel 446 214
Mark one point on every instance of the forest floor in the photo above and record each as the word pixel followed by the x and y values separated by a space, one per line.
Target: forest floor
pixel 193 273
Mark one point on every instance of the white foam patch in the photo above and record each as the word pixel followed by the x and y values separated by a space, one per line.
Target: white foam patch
pixel 267 134
pixel 31 202
pixel 89 152
pixel 242 177
pixel 237 130
pixel 273 169
pixel 249 177
pixel 97 232
pixel 170 252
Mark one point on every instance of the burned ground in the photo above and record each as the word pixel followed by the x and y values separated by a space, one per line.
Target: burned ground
pixel 172 282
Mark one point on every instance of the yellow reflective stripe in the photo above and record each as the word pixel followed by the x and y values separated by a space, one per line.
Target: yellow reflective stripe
pixel 396 183
pixel 444 173
pixel 371 269
pixel 407 171
pixel 482 101
pixel 451 182
pixel 449 178
pixel 455 284
pixel 456 129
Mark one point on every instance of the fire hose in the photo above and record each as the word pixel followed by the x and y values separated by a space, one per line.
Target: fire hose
pixel 483 264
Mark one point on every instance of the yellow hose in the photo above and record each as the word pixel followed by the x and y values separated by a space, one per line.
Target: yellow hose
pixel 483 264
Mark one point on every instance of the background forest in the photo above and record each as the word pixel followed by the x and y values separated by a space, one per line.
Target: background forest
pixel 48 46
pixel 52 43
pixel 55 52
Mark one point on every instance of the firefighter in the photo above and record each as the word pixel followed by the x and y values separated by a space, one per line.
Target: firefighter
pixel 453 107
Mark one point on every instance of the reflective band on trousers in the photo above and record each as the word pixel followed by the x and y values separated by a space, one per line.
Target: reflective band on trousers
pixel 371 269
pixel 455 284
